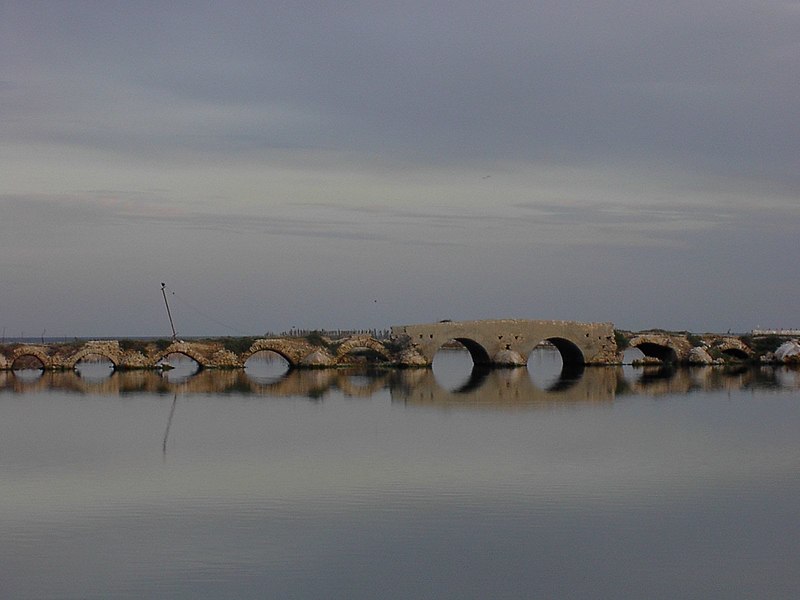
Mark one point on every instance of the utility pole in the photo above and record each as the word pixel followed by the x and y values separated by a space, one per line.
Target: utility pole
pixel 169 314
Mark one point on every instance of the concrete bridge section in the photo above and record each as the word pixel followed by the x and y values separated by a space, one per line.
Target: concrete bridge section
pixel 509 342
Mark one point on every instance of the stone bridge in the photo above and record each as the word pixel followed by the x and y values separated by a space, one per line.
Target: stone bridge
pixel 509 342
pixel 498 343
pixel 209 354
pixel 491 343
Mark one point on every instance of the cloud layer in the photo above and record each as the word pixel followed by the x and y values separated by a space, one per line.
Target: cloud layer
pixel 615 160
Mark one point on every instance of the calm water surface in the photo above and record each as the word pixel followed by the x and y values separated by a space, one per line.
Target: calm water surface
pixel 611 483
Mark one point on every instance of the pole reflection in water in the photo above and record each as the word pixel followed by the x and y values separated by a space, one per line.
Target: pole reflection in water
pixel 169 423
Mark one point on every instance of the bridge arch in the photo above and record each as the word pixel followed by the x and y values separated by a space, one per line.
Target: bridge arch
pixel 31 351
pixel 263 366
pixel 571 354
pixel 282 348
pixel 72 361
pixel 362 343
pixel 736 353
pixel 734 348
pixel 477 351
pixel 661 350
pixel 555 364
pixel 185 350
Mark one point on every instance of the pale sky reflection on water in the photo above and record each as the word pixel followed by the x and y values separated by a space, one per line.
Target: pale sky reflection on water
pixel 683 484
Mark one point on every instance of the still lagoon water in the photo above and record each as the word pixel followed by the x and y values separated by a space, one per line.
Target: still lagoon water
pixel 610 483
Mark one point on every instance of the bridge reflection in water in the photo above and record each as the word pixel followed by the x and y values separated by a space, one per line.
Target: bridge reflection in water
pixel 492 388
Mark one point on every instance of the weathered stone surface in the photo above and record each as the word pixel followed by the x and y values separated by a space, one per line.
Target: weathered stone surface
pixel 209 354
pixel 317 358
pixel 133 359
pixel 788 352
pixel 579 343
pixel 225 359
pixel 362 342
pixel 410 357
pixel 498 343
pixel 677 348
pixel 663 347
pixel 732 347
pixel 509 358
pixel 699 356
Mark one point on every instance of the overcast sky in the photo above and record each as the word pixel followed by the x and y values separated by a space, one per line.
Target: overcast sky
pixel 362 164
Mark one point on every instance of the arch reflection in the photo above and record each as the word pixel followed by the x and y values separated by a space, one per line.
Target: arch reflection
pixel 500 388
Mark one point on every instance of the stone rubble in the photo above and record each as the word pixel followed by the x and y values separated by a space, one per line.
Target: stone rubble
pixel 788 352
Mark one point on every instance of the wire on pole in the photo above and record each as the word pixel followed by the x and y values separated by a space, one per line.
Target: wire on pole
pixel 169 314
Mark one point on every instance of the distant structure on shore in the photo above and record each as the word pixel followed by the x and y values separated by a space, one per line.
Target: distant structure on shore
pixel 781 332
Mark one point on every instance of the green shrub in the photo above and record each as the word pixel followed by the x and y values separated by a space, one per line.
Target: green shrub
pixel 695 340
pixel 133 345
pixel 763 344
pixel 621 340
pixel 315 338
pixel 238 345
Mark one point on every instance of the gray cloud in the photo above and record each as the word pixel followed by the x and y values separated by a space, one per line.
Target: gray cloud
pixel 473 158
pixel 685 83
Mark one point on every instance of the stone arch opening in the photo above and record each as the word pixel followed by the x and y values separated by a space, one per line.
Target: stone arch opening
pixel 631 355
pixel 180 355
pixel 459 364
pixel 555 364
pixel 93 365
pixel 363 355
pixel 178 365
pixel 28 361
pixel 736 353
pixel 285 351
pixel 476 351
pixel 663 353
pixel 266 366
pixel 362 350
pixel 571 354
